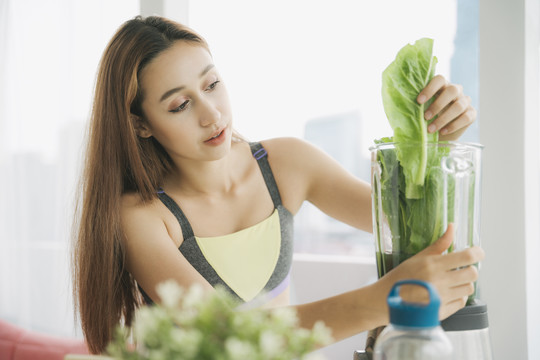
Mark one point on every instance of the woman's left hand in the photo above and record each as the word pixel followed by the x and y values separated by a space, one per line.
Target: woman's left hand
pixel 452 109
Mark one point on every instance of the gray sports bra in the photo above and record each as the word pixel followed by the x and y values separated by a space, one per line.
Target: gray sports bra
pixel 276 251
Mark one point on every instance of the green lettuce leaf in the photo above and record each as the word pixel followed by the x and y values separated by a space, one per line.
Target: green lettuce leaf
pixel 402 81
pixel 414 223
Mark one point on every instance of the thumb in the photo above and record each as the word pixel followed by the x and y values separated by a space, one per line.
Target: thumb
pixel 442 244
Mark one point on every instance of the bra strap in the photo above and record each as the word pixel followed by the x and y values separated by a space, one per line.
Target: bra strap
pixel 260 154
pixel 187 231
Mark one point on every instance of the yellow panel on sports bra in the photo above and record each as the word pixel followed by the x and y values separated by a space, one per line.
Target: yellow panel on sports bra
pixel 246 259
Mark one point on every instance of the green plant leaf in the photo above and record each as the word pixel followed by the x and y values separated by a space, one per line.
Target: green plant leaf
pixel 402 82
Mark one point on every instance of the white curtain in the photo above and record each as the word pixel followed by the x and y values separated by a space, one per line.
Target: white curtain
pixel 49 53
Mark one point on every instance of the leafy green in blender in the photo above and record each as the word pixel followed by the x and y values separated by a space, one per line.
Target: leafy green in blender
pixel 402 81
pixel 416 195
pixel 412 180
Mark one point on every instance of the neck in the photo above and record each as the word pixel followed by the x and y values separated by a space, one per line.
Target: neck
pixel 204 177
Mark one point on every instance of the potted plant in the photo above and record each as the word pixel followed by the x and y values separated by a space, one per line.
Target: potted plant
pixel 196 325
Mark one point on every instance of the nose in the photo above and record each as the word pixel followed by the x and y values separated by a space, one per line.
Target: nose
pixel 208 113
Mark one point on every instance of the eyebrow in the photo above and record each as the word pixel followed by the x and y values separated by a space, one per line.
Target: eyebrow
pixel 179 88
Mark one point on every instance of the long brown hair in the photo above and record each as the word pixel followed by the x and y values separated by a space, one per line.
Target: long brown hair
pixel 117 161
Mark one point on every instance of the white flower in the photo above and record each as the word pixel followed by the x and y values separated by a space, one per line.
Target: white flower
pixel 239 350
pixel 271 344
pixel 194 296
pixel 145 323
pixel 249 321
pixel 314 356
pixel 170 293
pixel 321 333
pixel 185 316
pixel 285 317
pixel 159 354
pixel 186 342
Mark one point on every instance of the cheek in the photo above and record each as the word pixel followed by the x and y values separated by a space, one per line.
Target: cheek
pixel 175 143
pixel 224 102
pixel 172 133
pixel 175 134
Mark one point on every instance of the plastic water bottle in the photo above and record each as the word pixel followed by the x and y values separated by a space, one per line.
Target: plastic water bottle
pixel 414 332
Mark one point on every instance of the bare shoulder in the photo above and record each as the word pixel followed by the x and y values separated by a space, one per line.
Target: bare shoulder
pixel 294 163
pixel 133 205
pixel 147 217
pixel 290 151
pixel 135 213
pixel 284 143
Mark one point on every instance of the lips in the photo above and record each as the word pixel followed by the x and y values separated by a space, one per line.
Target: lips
pixel 215 136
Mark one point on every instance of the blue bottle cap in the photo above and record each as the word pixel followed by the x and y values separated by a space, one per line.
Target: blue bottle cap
pixel 418 315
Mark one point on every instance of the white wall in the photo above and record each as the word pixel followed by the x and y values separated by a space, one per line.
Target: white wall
pixel 508 106
pixel 532 173
pixel 316 277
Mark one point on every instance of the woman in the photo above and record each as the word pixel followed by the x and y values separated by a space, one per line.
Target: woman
pixel 171 191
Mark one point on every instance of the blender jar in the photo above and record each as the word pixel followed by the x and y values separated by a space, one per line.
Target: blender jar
pixel 413 204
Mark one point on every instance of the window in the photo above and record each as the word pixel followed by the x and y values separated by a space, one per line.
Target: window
pixel 312 69
pixel 49 57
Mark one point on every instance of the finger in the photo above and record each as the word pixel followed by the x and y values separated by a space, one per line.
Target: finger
pixel 442 244
pixel 462 122
pixel 451 307
pixel 450 113
pixel 464 290
pixel 449 295
pixel 462 278
pixel 465 276
pixel 449 95
pixel 463 258
pixel 433 87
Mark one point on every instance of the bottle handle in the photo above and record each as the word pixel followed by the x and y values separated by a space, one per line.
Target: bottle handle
pixel 410 313
pixel 432 292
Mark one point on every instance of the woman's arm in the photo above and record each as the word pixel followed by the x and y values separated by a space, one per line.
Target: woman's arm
pixel 365 309
pixel 304 172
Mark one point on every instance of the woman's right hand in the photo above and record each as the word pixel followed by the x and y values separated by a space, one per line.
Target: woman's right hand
pixel 452 274
pixel 350 313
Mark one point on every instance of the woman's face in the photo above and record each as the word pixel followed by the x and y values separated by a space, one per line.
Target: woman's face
pixel 185 104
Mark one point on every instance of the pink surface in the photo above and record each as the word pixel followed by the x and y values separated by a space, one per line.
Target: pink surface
pixel 17 343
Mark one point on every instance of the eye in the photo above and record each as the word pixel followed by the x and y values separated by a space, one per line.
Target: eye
pixel 212 85
pixel 181 107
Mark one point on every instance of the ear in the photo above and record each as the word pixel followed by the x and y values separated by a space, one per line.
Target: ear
pixel 141 127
